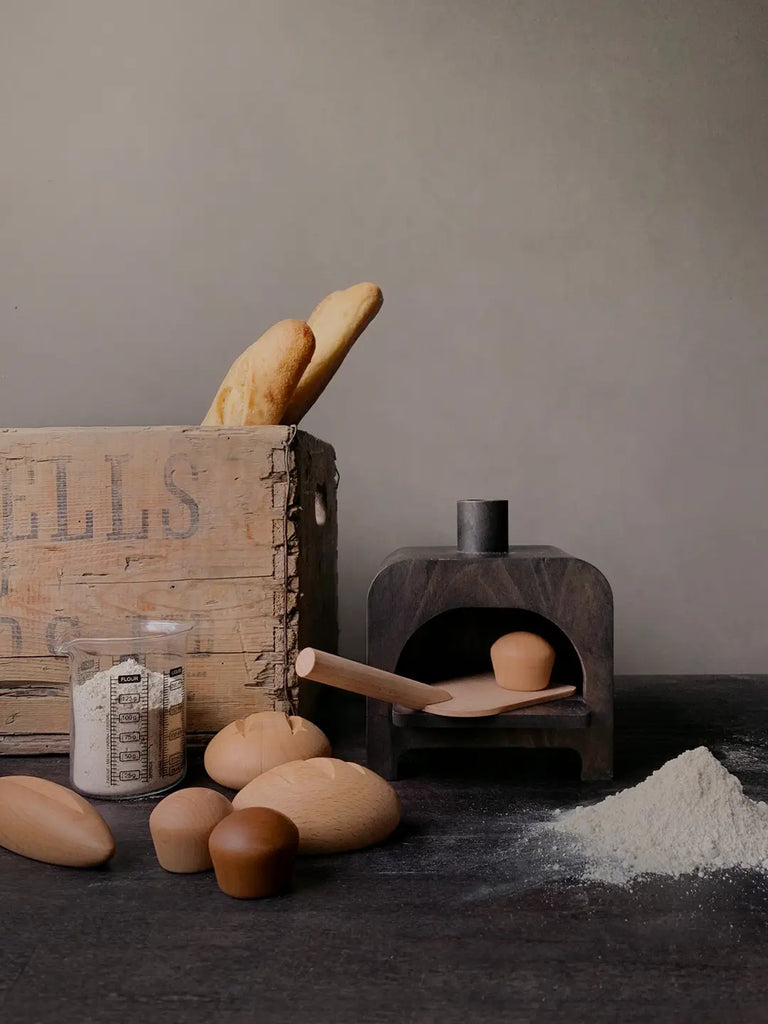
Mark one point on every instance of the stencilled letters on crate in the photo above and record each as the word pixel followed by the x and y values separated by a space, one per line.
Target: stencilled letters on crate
pixel 24 520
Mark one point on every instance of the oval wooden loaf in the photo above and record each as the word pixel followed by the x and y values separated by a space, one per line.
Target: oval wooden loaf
pixel 336 805
pixel 44 821
pixel 246 748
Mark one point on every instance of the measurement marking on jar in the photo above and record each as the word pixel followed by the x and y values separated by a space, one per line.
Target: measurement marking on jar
pixel 128 746
pixel 172 734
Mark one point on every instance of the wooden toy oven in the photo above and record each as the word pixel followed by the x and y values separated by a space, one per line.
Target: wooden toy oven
pixel 434 612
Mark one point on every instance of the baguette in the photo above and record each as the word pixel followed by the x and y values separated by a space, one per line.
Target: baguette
pixel 260 382
pixel 336 322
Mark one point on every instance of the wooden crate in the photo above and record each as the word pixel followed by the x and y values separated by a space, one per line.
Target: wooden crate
pixel 234 530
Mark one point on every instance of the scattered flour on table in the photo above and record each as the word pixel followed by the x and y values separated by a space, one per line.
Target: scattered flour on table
pixel 744 754
pixel 690 816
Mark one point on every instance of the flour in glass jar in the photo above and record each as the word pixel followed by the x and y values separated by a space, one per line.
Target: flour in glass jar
pixel 92 762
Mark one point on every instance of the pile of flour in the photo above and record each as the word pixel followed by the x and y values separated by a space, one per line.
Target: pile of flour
pixel 690 816
pixel 90 749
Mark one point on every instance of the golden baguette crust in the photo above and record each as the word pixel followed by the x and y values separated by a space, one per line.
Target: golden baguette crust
pixel 337 321
pixel 260 382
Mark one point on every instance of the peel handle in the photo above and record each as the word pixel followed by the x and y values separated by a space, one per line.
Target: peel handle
pixel 371 682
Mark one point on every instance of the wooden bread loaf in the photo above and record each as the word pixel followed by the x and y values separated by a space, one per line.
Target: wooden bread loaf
pixel 181 824
pixel 253 852
pixel 44 821
pixel 246 748
pixel 522 661
pixel 336 805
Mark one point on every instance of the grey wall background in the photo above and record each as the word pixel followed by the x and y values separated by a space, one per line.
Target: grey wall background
pixel 564 202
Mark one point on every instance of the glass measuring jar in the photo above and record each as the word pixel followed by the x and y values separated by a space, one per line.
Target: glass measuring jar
pixel 128 711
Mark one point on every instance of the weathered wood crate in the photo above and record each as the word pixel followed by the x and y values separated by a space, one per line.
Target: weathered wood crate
pixel 234 530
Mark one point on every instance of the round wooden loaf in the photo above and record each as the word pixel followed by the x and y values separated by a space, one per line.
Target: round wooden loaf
pixel 44 821
pixel 250 746
pixel 336 805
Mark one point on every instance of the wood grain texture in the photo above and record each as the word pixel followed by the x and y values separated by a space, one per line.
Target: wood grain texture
pixel 181 824
pixel 314 589
pixel 433 613
pixel 344 674
pixel 45 821
pixel 218 686
pixel 474 696
pixel 253 852
pixel 566 713
pixel 250 746
pixel 336 805
pixel 214 525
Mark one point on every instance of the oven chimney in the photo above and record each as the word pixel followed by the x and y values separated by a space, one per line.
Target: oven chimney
pixel 482 526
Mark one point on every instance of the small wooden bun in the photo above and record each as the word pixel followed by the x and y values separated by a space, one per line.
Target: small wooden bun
pixel 336 805
pixel 250 746
pixel 44 821
pixel 253 852
pixel 181 824
pixel 522 661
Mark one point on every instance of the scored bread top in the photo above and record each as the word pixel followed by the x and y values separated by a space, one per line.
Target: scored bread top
pixel 250 746
pixel 336 805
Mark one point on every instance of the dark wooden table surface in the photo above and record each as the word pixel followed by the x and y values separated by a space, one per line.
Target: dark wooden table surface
pixel 455 919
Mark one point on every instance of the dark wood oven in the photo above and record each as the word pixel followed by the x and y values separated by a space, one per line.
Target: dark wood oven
pixel 434 612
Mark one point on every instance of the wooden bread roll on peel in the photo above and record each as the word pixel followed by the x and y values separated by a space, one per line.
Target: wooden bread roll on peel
pixel 336 322
pixel 246 748
pixel 260 382
pixel 44 821
pixel 522 661
pixel 336 805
